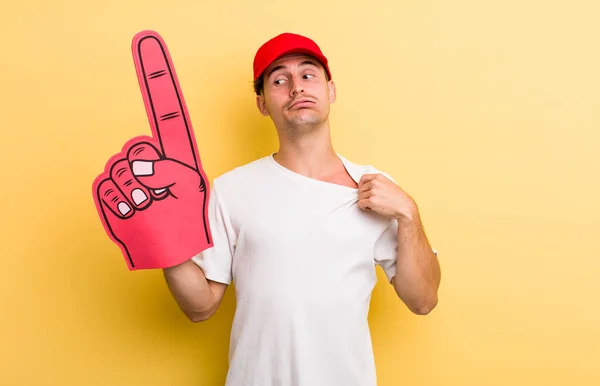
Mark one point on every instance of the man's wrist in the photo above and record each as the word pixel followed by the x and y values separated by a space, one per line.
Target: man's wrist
pixel 408 217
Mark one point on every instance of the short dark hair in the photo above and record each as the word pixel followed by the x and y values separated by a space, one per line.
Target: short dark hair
pixel 259 83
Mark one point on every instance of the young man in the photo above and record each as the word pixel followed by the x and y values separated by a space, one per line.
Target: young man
pixel 300 232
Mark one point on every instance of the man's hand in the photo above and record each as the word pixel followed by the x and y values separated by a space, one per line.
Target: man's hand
pixel 382 195
pixel 417 270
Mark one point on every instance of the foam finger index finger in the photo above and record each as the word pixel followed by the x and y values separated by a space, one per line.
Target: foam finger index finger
pixel 165 105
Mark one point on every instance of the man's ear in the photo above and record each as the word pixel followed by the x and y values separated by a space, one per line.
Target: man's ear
pixel 332 93
pixel 262 107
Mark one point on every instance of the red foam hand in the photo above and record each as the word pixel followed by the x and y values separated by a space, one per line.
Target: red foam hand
pixel 152 198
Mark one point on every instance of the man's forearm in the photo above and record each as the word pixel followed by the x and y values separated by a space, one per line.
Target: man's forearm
pixel 417 269
pixel 191 290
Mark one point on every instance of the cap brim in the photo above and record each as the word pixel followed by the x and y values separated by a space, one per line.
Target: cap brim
pixel 293 51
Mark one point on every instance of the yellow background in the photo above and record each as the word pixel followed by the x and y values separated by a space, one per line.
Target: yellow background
pixel 487 112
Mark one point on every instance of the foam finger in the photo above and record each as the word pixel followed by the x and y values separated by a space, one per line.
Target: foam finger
pixel 146 152
pixel 137 194
pixel 113 199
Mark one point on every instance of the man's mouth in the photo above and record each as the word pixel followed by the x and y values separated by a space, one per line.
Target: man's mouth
pixel 301 103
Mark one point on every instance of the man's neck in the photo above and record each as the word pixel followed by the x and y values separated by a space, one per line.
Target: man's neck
pixel 310 154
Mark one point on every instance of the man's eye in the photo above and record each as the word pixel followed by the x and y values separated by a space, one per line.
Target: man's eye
pixel 308 76
pixel 278 81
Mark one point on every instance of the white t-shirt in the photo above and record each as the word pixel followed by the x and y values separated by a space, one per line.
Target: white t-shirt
pixel 303 257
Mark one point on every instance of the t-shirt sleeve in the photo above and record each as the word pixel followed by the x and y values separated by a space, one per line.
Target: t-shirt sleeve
pixel 216 262
pixel 386 249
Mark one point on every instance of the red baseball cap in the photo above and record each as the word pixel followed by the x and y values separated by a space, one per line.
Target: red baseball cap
pixel 285 44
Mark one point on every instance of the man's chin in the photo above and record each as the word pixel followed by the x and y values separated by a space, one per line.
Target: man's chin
pixel 305 123
pixel 305 118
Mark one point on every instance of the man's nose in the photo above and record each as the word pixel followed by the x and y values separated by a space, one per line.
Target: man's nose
pixel 296 87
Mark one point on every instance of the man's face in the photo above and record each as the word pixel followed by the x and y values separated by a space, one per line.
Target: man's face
pixel 296 93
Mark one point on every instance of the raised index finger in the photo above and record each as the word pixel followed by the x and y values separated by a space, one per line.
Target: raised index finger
pixel 165 106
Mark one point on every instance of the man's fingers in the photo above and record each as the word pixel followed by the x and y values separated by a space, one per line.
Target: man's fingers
pixel 366 179
pixel 112 198
pixel 137 194
pixel 365 186
pixel 165 106
pixel 364 203
pixel 364 194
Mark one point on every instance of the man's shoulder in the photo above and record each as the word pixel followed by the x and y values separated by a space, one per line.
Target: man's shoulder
pixel 242 175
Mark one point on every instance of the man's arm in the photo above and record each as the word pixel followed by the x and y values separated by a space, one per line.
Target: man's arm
pixel 418 272
pixel 197 296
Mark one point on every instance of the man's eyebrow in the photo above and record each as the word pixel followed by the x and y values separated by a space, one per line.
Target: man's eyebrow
pixel 304 63
pixel 273 70
pixel 309 62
